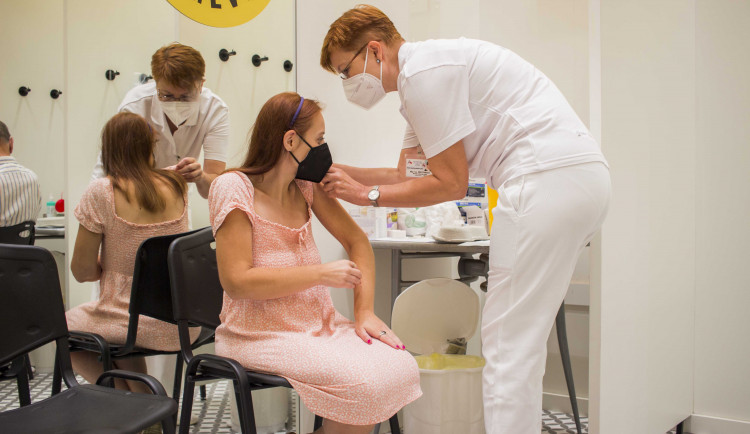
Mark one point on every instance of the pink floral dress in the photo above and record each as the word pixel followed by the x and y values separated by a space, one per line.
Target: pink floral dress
pixel 301 337
pixel 108 316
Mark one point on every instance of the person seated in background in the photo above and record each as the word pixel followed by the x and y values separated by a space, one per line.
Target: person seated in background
pixel 135 201
pixel 186 117
pixel 277 315
pixel 20 198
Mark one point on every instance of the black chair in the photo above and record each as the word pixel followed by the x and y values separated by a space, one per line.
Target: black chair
pixel 197 298
pixel 32 314
pixel 150 295
pixel 20 234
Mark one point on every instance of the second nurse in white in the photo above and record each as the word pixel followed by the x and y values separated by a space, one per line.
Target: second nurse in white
pixel 480 110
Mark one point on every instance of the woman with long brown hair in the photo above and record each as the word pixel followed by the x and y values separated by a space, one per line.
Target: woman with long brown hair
pixel 277 316
pixel 135 201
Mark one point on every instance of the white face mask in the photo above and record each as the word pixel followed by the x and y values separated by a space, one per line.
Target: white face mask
pixel 178 111
pixel 363 89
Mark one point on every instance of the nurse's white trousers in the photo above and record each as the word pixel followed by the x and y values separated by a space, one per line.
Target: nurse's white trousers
pixel 541 224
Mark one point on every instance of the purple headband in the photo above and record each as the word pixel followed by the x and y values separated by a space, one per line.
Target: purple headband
pixel 294 118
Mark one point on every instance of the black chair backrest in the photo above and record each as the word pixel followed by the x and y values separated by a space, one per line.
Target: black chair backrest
pixel 197 296
pixel 32 311
pixel 21 234
pixel 150 293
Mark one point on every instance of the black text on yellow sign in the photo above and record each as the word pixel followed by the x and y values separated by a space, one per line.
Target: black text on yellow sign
pixel 220 13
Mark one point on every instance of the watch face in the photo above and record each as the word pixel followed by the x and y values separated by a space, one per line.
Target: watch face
pixel 373 195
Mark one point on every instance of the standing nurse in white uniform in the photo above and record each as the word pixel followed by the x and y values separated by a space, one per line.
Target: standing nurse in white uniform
pixel 185 116
pixel 480 110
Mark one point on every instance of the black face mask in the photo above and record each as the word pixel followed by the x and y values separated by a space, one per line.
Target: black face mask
pixel 315 166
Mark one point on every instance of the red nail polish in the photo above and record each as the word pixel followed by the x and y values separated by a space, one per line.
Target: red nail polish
pixel 369 341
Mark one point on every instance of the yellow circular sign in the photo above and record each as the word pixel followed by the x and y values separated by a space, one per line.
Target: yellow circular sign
pixel 220 13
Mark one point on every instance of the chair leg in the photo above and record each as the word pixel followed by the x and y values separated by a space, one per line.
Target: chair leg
pixel 187 405
pixel 19 368
pixel 203 392
pixel 177 383
pixel 395 429
pixel 244 401
pixel 318 422
pixel 29 371
pixel 562 340
pixel 167 425
pixel 56 376
pixel 177 379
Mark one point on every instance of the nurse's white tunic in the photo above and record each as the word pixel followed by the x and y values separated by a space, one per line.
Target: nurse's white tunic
pixel 522 136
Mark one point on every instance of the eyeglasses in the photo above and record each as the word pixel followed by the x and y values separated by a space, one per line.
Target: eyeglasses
pixel 344 74
pixel 166 97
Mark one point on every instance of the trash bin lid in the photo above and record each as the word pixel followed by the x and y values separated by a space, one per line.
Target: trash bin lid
pixel 429 313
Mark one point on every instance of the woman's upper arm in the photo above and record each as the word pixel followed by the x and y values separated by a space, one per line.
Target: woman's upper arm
pixel 85 262
pixel 335 219
pixel 234 248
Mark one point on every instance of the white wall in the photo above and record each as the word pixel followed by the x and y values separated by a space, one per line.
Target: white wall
pixel 243 86
pixel 642 302
pixel 722 292
pixel 123 38
pixel 33 57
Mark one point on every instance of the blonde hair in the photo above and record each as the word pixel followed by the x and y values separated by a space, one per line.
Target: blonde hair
pixel 355 28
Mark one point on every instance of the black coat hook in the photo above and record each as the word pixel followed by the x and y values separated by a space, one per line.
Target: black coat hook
pixel 144 78
pixel 54 93
pixel 111 75
pixel 23 90
pixel 257 59
pixel 288 65
pixel 224 54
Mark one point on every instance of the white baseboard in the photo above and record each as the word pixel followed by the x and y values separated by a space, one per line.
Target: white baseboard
pixel 557 402
pixel 700 424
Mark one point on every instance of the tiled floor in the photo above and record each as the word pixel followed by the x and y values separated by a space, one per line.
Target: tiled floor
pixel 214 413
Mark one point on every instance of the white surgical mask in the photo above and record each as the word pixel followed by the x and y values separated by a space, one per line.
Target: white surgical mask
pixel 179 111
pixel 365 90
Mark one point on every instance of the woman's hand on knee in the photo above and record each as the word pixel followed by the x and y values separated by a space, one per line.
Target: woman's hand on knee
pixel 369 326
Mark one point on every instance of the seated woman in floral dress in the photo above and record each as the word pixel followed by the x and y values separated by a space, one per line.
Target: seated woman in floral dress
pixel 277 316
pixel 133 202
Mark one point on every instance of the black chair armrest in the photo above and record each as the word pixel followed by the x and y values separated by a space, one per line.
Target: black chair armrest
pixel 151 382
pixel 78 338
pixel 206 336
pixel 239 371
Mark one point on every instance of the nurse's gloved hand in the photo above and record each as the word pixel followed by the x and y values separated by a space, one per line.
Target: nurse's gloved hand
pixel 338 184
pixel 189 168
pixel 368 326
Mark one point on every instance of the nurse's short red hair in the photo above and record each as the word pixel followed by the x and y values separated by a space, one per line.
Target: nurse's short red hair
pixel 178 65
pixel 354 29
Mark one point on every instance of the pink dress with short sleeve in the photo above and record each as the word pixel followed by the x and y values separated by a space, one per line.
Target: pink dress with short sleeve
pixel 301 337
pixel 108 316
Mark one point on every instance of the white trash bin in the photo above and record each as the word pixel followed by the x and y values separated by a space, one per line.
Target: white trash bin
pixel 425 317
pixel 452 396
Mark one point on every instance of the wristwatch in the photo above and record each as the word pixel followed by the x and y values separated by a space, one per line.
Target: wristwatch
pixel 374 195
